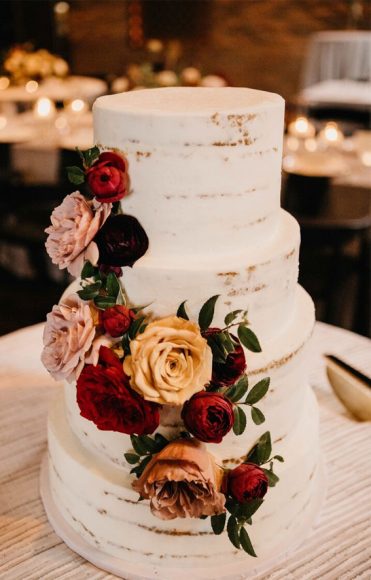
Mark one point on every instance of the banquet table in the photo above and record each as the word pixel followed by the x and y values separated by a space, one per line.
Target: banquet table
pixel 337 548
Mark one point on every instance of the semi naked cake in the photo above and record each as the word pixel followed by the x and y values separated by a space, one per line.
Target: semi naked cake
pixel 184 442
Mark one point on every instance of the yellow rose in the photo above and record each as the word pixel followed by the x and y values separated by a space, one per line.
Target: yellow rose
pixel 182 481
pixel 169 362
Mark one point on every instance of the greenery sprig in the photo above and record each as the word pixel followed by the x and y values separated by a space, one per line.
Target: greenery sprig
pixel 103 289
pixel 75 174
pixel 240 514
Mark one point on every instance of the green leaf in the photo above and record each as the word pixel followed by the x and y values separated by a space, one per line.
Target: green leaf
pixel 246 543
pixel 239 424
pixel 112 285
pixel 206 315
pixel 231 317
pixel 279 458
pixel 132 458
pixel 181 312
pixel 139 447
pixel 247 510
pixel 90 291
pixel 125 343
pixel 233 532
pixel 135 326
pixel 238 390
pixel 161 441
pixel 261 451
pixel 141 467
pixel 90 155
pixel 149 443
pixel 258 391
pixel 104 302
pixel 257 416
pixel 232 505
pixel 248 338
pixel 273 479
pixel 218 350
pixel 218 523
pixel 75 175
pixel 88 270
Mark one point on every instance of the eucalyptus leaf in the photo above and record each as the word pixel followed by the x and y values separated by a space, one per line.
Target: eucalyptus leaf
pixel 238 390
pixel 135 326
pixel 112 285
pixel 273 479
pixel 246 543
pixel 247 510
pixel 104 302
pixel 206 315
pixel 181 312
pixel 139 447
pixel 132 458
pixel 231 317
pixel 88 270
pixel 258 391
pixel 233 531
pixel 239 424
pixel 218 523
pixel 75 175
pixel 257 416
pixel 248 338
pixel 141 467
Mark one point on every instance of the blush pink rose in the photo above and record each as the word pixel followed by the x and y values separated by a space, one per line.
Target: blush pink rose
pixel 74 224
pixel 70 339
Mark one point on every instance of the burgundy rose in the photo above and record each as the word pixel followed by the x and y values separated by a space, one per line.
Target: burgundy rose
pixel 208 416
pixel 105 397
pixel 229 372
pixel 121 241
pixel 117 320
pixel 107 177
pixel 246 482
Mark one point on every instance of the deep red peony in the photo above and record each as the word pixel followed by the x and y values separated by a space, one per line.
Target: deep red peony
pixel 246 482
pixel 107 177
pixel 117 320
pixel 228 373
pixel 121 241
pixel 208 416
pixel 105 397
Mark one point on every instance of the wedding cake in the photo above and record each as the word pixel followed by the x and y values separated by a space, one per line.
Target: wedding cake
pixel 185 439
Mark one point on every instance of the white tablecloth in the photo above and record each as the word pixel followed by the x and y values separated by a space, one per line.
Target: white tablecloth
pixel 338 54
pixel 337 549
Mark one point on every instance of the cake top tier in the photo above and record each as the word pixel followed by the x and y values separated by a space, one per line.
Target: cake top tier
pixel 186 116
pixel 188 101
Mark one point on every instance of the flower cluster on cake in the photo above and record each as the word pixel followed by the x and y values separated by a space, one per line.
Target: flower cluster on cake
pixel 131 367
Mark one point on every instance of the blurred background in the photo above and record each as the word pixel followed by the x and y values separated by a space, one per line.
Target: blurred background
pixel 57 57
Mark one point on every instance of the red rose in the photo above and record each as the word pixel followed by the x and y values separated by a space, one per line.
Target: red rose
pixel 107 177
pixel 246 482
pixel 230 371
pixel 121 241
pixel 117 320
pixel 105 397
pixel 208 416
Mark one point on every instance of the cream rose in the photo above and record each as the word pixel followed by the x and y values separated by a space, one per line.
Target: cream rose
pixel 70 339
pixel 182 481
pixel 74 225
pixel 169 361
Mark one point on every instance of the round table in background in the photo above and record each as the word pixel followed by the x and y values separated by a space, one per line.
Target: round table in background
pixel 337 548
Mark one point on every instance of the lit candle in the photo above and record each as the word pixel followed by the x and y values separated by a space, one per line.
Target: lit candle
pixel 331 134
pixel 44 108
pixel 31 86
pixel 302 128
pixel 77 106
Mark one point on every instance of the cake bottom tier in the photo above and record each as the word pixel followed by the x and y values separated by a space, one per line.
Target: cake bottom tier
pixel 95 501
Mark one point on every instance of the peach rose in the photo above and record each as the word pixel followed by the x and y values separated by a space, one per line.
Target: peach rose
pixel 70 339
pixel 74 225
pixel 182 481
pixel 169 361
